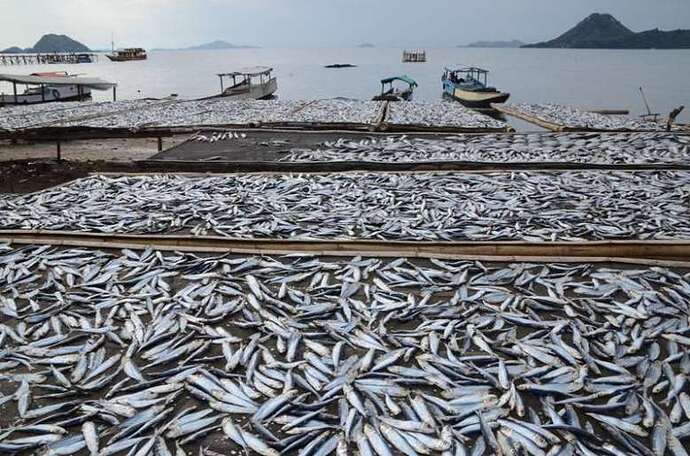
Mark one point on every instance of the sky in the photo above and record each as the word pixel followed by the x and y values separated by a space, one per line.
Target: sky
pixel 318 23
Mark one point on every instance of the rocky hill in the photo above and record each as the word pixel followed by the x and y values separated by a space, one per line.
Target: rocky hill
pixel 12 50
pixel 603 31
pixel 51 43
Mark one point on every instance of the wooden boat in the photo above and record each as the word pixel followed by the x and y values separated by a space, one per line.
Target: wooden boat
pixel 128 54
pixel 468 85
pixel 50 87
pixel 254 83
pixel 389 92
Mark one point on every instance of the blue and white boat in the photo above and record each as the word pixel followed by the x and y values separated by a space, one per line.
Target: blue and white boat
pixel 468 85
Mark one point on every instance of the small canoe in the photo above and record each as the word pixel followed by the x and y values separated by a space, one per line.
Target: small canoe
pixel 392 92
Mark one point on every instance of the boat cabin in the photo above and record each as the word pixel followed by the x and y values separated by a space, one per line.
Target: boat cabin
pixel 467 76
pixel 391 92
pixel 249 83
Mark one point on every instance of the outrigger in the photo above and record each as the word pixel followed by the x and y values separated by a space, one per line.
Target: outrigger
pixel 389 92
pixel 255 83
pixel 468 85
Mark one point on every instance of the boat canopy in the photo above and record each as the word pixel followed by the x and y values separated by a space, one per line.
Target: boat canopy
pixel 251 71
pixel 91 83
pixel 403 78
pixel 466 69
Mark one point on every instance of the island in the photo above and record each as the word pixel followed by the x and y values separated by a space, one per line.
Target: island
pixel 495 44
pixel 212 46
pixel 49 44
pixel 366 45
pixel 603 31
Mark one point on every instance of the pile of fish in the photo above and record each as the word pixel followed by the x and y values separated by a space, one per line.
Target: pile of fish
pixel 570 117
pixel 530 206
pixel 217 136
pixel 71 113
pixel 138 114
pixel 608 148
pixel 339 111
pixel 217 111
pixel 439 114
pixel 148 353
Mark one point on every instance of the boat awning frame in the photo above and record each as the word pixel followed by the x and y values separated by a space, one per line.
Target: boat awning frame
pixel 252 71
pixel 91 83
pixel 466 69
pixel 403 78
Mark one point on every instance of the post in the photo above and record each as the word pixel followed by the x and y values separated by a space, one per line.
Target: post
pixel 59 152
pixel 160 144
pixel 221 83
pixel 14 87
pixel 114 93
pixel 43 93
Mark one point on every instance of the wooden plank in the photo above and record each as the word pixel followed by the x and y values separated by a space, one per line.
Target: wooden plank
pixel 527 118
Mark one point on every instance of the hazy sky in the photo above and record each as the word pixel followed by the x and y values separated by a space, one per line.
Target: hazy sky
pixel 318 23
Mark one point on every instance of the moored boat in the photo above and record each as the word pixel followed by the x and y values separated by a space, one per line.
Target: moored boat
pixel 255 83
pixel 49 87
pixel 128 54
pixel 468 85
pixel 391 92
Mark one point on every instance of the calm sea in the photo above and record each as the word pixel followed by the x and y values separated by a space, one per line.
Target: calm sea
pixel 585 78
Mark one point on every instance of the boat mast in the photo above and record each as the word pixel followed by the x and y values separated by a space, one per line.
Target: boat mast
pixel 112 42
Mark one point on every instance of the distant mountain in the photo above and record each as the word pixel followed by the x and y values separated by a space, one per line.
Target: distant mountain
pixel 496 44
pixel 603 31
pixel 51 43
pixel 366 45
pixel 12 50
pixel 58 43
pixel 215 45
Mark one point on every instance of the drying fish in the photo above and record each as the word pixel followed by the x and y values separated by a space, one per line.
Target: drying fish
pixel 570 117
pixel 160 353
pixel 440 114
pixel 529 206
pixel 586 148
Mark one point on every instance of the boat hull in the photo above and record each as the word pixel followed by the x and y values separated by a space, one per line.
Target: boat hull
pixel 115 58
pixel 52 94
pixel 474 98
pixel 479 99
pixel 254 92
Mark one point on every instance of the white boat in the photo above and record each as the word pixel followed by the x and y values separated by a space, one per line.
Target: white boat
pixel 50 87
pixel 254 83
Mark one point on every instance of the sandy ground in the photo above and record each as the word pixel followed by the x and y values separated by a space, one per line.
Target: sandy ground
pixel 90 150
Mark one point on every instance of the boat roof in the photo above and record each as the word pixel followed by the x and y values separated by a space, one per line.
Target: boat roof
pixel 249 71
pixel 404 78
pixel 91 83
pixel 467 69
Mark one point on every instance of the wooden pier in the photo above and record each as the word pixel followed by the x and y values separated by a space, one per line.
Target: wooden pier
pixel 42 59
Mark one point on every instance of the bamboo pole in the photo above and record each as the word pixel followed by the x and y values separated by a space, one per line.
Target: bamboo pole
pixel 505 250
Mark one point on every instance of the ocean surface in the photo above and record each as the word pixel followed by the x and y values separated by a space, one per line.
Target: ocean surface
pixel 603 79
